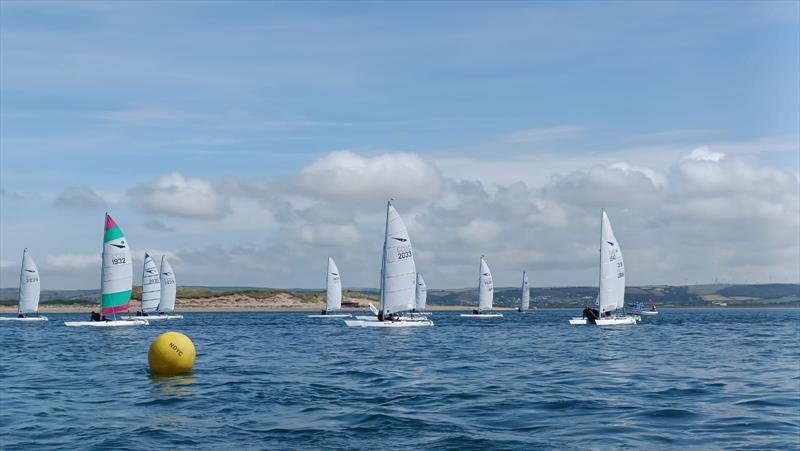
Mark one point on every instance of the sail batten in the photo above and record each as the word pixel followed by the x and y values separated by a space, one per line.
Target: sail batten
pixel 29 285
pixel 117 271
pixel 398 277
pixel 485 287
pixel 333 300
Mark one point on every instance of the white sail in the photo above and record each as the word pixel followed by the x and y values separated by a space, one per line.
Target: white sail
pixel 117 272
pixel 485 287
pixel 612 269
pixel 168 287
pixel 526 292
pixel 29 285
pixel 333 299
pixel 399 274
pixel 422 293
pixel 151 285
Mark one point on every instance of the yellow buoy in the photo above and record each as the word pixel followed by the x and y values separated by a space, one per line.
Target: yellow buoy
pixel 171 353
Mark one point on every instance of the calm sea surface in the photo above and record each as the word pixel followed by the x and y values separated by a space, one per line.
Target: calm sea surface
pixel 703 379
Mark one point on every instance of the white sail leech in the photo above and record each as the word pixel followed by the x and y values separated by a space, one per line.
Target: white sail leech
pixel 398 287
pixel 486 287
pixel 29 286
pixel 421 294
pixel 168 287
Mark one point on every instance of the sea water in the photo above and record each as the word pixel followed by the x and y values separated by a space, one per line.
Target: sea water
pixel 688 378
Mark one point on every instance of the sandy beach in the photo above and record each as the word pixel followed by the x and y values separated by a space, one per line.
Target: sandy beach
pixel 233 303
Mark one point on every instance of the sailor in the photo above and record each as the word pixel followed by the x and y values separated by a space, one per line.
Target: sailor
pixel 324 312
pixel 95 316
pixel 103 318
pixel 476 311
pixel 20 316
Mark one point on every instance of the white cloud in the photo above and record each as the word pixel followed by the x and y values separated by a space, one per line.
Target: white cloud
pixel 345 174
pixel 72 261
pixel 177 195
pixel 478 231
pixel 703 154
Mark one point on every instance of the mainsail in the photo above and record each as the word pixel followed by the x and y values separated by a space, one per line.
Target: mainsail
pixel 485 287
pixel 612 269
pixel 422 293
pixel 168 287
pixel 333 300
pixel 526 292
pixel 29 285
pixel 151 285
pixel 399 273
pixel 117 273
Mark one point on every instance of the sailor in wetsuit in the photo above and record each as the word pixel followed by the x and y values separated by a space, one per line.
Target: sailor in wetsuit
pixel 476 311
pixel 324 312
pixel 95 316
pixel 590 314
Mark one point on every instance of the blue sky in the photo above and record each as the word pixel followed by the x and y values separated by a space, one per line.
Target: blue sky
pixel 246 96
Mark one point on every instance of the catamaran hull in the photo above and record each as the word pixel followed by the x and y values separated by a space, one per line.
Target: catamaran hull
pixel 336 315
pixel 118 323
pixel 647 313
pixel 26 319
pixel 619 321
pixel 152 317
pixel 578 321
pixel 366 318
pixel 401 323
pixel 481 315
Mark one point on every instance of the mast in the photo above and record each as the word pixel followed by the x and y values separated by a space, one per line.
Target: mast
pixel 480 282
pixel 102 266
pixel 21 281
pixel 383 254
pixel 600 266
pixel 327 279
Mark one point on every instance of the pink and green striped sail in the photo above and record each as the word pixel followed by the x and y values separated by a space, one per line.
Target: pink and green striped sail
pixel 117 274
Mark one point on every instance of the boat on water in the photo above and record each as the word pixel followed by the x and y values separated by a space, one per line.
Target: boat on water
pixel 333 297
pixel 611 296
pixel 485 294
pixel 398 279
pixel 159 304
pixel 29 290
pixel 650 310
pixel 421 297
pixel 116 281
pixel 525 305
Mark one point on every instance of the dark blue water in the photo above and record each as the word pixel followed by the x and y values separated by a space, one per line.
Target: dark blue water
pixel 704 379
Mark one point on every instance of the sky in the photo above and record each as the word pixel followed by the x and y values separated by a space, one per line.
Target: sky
pixel 249 141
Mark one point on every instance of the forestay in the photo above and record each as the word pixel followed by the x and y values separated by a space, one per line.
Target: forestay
pixel 29 285
pixel 151 285
pixel 399 275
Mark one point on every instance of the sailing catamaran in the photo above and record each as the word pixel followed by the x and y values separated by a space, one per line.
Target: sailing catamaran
pixel 158 291
pixel 116 282
pixel 333 298
pixel 526 294
pixel 421 297
pixel 485 294
pixel 398 278
pixel 29 289
pixel 611 298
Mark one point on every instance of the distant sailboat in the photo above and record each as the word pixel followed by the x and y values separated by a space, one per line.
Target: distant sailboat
pixel 485 294
pixel 116 280
pixel 421 296
pixel 29 290
pixel 611 297
pixel 333 296
pixel 398 278
pixel 526 294
pixel 162 291
pixel 651 310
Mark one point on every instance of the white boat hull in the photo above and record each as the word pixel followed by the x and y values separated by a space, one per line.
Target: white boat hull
pixel 26 319
pixel 116 323
pixel 400 323
pixel 152 317
pixel 647 313
pixel 615 321
pixel 333 315
pixel 578 321
pixel 481 315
